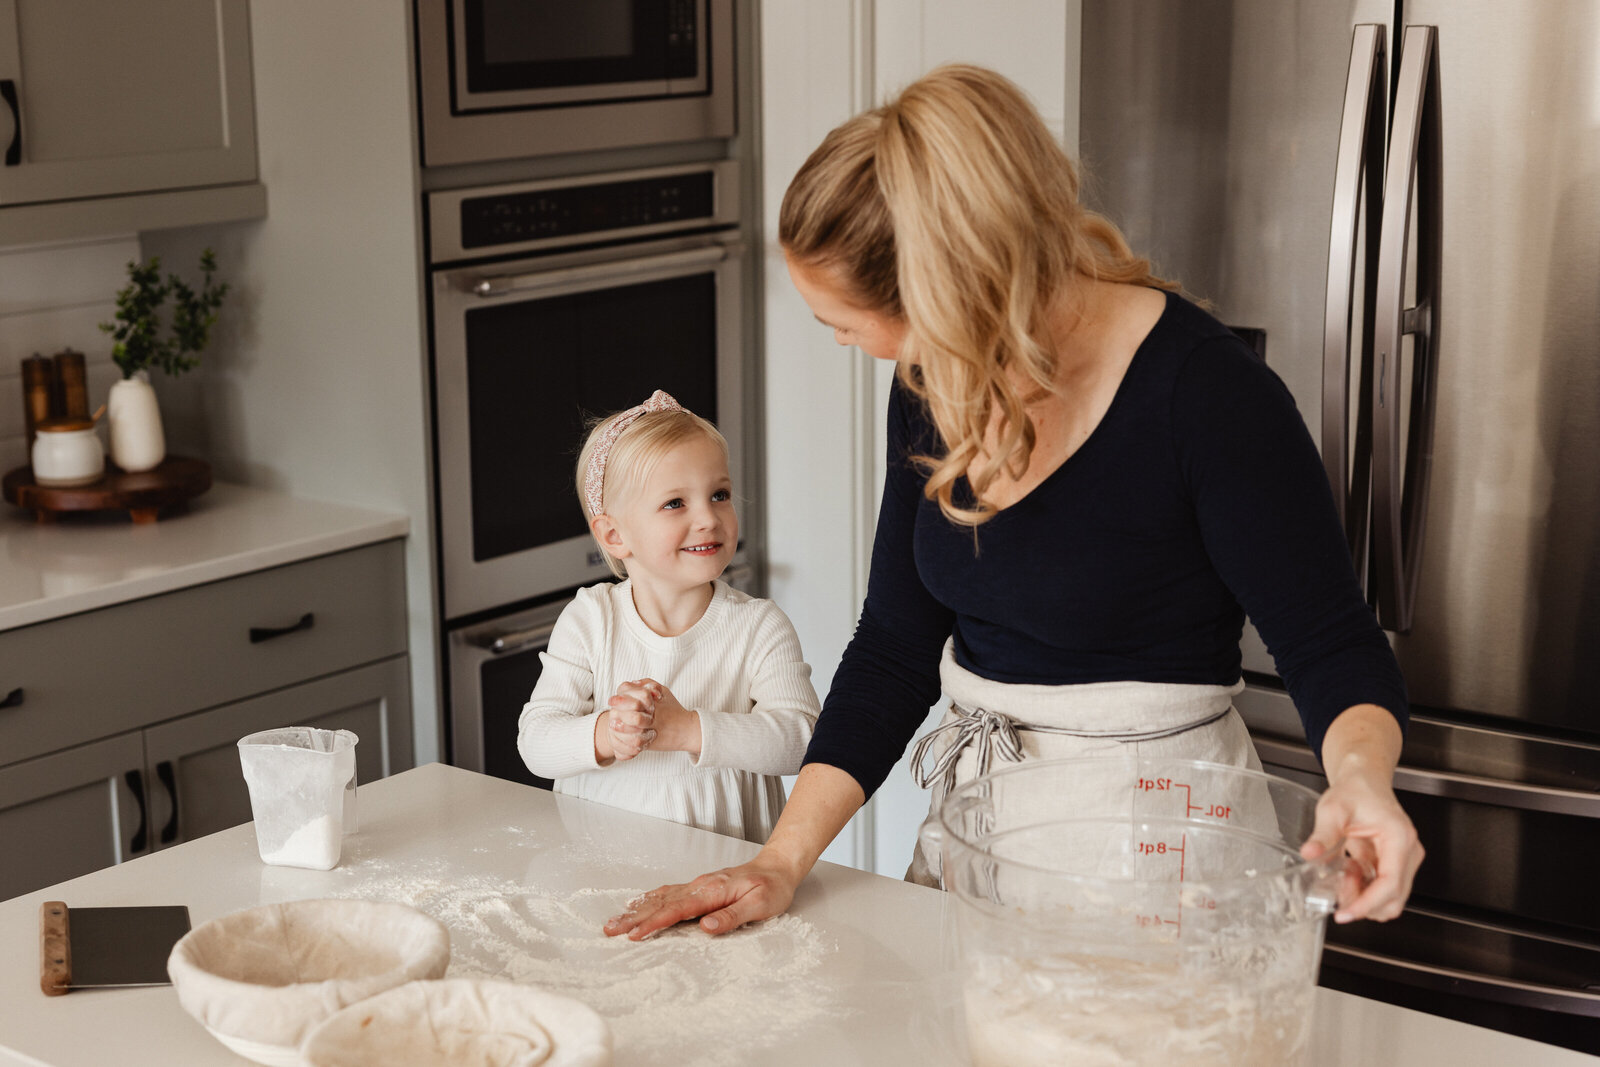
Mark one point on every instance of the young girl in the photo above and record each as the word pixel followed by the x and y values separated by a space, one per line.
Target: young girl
pixel 669 693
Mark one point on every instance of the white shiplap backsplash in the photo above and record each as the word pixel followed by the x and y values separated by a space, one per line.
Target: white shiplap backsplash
pixel 54 297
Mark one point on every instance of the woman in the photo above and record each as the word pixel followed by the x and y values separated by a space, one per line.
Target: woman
pixel 1090 483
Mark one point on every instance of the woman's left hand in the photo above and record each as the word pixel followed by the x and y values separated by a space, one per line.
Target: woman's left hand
pixel 1360 752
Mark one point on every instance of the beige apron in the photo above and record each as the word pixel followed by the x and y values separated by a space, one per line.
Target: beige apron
pixel 989 722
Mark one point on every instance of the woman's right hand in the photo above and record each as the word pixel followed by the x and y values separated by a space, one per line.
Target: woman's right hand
pixel 725 900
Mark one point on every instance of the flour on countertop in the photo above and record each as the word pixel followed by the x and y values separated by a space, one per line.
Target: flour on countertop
pixel 725 997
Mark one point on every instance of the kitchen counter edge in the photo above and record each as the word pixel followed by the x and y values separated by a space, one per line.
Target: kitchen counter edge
pixel 53 570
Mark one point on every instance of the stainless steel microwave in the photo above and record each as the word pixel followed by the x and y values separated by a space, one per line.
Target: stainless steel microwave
pixel 511 79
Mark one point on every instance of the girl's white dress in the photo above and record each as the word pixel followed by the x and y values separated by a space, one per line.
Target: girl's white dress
pixel 740 667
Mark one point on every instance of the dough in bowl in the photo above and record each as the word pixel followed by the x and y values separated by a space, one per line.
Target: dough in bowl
pixel 461 1022
pixel 261 979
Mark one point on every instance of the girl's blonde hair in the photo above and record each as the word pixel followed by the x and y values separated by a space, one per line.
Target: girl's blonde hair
pixel 634 454
pixel 953 209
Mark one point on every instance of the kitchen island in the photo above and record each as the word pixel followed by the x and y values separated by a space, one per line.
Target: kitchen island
pixel 523 878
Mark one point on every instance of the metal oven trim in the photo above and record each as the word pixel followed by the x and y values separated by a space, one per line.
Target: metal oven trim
pixel 469 648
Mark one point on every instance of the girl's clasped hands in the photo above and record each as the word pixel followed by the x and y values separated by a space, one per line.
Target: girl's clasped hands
pixel 640 714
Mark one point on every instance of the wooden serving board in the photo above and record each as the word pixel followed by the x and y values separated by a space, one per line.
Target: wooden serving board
pixel 141 494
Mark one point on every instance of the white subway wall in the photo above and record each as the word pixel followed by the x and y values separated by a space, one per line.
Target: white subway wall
pixel 54 297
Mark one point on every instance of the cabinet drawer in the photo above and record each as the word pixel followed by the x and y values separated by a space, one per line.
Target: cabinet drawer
pixel 147 661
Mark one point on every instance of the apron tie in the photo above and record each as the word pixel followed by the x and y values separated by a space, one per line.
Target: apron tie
pixel 971 726
pixel 989 730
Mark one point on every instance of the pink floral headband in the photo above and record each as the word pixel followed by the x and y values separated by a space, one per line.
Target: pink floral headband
pixel 594 476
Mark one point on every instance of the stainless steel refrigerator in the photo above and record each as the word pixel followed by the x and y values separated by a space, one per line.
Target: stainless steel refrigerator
pixel 1398 204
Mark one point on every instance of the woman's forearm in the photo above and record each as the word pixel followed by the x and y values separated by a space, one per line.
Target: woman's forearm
pixel 823 800
pixel 1364 739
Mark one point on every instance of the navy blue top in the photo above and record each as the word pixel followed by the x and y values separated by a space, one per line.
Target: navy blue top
pixel 1198 499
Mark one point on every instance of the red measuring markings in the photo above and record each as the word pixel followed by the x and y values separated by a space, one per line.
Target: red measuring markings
pixel 1162 848
pixel 1163 785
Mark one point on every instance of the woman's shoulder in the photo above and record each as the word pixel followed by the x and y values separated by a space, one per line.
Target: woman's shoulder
pixel 1185 328
pixel 1194 354
pixel 911 427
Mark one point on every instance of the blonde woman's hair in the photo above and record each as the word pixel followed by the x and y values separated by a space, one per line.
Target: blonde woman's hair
pixel 953 209
pixel 635 454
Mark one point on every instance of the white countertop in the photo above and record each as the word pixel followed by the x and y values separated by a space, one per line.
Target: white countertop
pixel 48 570
pixel 503 865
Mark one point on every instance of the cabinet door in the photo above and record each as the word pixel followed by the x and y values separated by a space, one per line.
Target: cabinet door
pixel 196 785
pixel 70 813
pixel 118 98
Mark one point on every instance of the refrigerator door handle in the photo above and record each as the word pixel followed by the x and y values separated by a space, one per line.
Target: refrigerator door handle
pixel 1359 169
pixel 1400 470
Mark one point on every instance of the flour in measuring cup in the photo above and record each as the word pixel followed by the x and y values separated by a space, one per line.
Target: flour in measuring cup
pixel 314 845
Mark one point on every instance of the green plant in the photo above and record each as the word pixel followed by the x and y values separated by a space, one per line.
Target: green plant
pixel 138 333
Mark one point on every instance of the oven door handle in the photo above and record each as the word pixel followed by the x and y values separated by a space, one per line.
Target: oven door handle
pixel 499 284
pixel 500 642
pixel 1450 786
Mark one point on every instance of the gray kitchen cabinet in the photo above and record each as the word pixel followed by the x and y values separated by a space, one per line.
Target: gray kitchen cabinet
pixel 122 738
pixel 140 115
pixel 70 813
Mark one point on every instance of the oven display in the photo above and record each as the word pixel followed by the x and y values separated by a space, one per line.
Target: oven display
pixel 517 217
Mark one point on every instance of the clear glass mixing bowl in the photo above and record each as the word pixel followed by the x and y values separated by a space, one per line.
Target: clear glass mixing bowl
pixel 1129 911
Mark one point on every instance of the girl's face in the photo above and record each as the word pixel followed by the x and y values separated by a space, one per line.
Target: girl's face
pixel 676 528
pixel 878 335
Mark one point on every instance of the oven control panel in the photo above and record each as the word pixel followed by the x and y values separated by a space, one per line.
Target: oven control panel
pixel 557 213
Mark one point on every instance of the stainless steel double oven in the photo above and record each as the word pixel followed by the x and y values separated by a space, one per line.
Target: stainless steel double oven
pixel 552 302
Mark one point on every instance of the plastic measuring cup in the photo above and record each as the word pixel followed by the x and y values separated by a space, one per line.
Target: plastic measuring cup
pixel 302 784
pixel 1134 911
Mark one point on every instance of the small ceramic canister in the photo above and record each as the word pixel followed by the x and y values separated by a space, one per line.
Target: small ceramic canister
pixel 67 452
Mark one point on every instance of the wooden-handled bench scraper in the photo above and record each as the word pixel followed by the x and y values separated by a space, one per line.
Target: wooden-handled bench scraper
pixel 106 947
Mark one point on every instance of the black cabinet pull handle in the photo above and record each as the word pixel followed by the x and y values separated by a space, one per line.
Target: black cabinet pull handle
pixel 169 832
pixel 13 699
pixel 8 90
pixel 135 782
pixel 259 634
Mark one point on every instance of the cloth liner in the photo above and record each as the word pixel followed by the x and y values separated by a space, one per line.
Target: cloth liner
pixel 269 975
pixel 461 1022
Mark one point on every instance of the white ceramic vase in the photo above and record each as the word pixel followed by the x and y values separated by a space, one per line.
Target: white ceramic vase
pixel 137 441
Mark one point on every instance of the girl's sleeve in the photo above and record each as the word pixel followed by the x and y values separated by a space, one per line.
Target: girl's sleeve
pixel 555 733
pixel 888 677
pixel 1269 524
pixel 771 737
